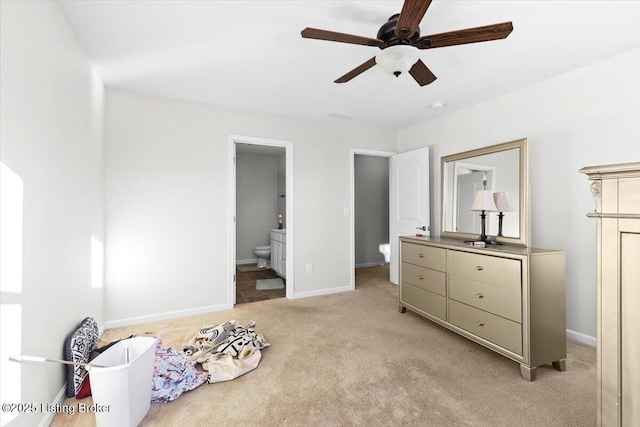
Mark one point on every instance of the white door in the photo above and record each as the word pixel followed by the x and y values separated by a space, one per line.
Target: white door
pixel 468 185
pixel 408 200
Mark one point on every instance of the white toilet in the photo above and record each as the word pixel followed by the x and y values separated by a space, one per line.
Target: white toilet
pixel 263 253
pixel 385 249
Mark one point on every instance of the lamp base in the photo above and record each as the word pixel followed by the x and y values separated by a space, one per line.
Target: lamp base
pixel 485 241
pixel 483 235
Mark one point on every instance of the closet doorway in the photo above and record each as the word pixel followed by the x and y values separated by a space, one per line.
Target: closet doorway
pixel 260 198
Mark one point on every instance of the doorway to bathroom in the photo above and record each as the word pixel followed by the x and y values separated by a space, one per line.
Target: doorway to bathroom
pixel 261 243
pixel 408 205
pixel 370 213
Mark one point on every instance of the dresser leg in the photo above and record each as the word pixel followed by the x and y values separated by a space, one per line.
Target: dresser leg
pixel 402 309
pixel 560 365
pixel 528 373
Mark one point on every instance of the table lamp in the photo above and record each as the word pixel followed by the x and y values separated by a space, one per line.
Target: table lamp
pixel 484 203
pixel 503 204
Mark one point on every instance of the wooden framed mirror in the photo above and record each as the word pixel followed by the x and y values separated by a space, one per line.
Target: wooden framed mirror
pixel 497 168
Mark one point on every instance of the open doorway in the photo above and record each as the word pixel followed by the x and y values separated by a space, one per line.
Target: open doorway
pixel 261 219
pixel 409 202
pixel 369 212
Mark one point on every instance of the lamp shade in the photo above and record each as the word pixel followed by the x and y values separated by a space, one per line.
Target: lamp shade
pixel 503 202
pixel 397 59
pixel 484 202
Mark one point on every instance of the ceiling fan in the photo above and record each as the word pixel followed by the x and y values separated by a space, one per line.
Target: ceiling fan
pixel 399 40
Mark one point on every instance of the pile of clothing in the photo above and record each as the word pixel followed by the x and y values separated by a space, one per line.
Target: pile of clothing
pixel 225 351
pixel 173 374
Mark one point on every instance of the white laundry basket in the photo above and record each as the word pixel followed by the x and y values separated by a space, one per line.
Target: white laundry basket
pixel 122 390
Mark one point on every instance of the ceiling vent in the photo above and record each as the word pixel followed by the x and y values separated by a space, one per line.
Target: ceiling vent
pixel 340 116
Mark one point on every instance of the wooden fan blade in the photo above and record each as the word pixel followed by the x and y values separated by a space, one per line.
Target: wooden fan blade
pixel 422 74
pixel 469 35
pixel 314 33
pixel 357 71
pixel 410 16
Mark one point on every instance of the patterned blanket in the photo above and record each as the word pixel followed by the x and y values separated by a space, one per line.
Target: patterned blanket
pixel 227 350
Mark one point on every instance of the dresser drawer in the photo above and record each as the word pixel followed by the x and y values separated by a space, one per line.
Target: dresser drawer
pixel 424 278
pixel 496 300
pixel 502 272
pixel 426 301
pixel 425 256
pixel 500 331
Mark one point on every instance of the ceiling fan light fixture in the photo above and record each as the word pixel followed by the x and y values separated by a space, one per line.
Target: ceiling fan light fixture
pixel 396 60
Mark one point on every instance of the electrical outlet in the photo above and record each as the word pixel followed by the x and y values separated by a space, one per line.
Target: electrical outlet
pixel 309 268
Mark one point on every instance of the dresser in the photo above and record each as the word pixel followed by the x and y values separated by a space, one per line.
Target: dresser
pixel 509 299
pixel 616 189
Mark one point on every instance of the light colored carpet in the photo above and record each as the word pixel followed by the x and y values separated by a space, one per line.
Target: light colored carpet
pixel 263 284
pixel 351 359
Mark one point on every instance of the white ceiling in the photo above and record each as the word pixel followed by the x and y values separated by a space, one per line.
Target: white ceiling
pixel 250 55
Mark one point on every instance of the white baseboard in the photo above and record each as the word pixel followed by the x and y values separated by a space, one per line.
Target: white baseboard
pixel 101 330
pixel 583 338
pixel 321 292
pixel 246 261
pixel 370 264
pixel 164 316
pixel 49 415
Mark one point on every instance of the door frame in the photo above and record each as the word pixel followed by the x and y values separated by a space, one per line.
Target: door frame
pixel 476 168
pixel 352 203
pixel 288 146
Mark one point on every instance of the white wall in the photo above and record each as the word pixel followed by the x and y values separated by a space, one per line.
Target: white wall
pixel 587 117
pixel 52 137
pixel 167 209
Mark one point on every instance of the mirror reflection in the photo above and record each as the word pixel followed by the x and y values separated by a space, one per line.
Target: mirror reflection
pixel 497 173
pixel 489 180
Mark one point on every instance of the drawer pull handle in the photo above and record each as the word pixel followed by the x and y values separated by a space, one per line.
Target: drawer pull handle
pixel 420 255
pixel 479 268
pixel 480 323
pixel 420 276
pixel 480 295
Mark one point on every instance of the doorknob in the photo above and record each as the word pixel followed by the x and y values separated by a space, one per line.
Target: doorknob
pixel 423 228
